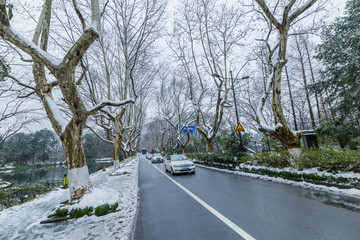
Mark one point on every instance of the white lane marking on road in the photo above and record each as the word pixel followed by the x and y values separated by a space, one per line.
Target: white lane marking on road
pixel 232 225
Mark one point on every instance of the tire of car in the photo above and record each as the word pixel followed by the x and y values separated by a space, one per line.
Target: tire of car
pixel 193 172
pixel 166 169
pixel 171 171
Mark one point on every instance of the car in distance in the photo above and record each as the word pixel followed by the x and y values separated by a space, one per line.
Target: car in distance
pixel 157 158
pixel 179 164
pixel 148 156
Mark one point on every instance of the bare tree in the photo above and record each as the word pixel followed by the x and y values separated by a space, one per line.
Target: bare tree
pixel 206 37
pixel 281 131
pixel 125 70
pixel 175 108
pixel 63 70
pixel 302 60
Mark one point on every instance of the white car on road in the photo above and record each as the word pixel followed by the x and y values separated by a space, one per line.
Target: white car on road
pixel 179 164
pixel 157 158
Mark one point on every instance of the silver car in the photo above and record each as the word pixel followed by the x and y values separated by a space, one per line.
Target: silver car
pixel 157 158
pixel 179 164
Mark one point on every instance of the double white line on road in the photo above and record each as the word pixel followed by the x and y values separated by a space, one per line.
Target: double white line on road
pixel 232 225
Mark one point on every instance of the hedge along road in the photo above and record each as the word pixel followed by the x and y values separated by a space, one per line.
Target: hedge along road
pixel 245 208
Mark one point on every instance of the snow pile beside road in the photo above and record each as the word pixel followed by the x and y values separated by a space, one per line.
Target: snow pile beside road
pixel 23 221
pixel 348 192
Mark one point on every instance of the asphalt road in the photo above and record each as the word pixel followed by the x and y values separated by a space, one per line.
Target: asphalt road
pixel 261 209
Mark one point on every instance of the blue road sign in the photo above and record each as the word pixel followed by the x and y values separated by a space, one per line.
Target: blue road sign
pixel 191 129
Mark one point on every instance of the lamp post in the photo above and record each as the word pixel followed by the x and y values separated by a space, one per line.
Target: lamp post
pixel 236 111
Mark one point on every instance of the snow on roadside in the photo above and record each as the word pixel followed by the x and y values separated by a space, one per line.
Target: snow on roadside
pixel 352 192
pixel 4 184
pixel 23 221
pixel 314 171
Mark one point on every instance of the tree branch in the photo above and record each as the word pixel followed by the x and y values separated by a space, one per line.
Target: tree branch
pixel 269 15
pixel 301 9
pixel 109 103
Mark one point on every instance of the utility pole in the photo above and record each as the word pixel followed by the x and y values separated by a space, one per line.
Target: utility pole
pixel 236 111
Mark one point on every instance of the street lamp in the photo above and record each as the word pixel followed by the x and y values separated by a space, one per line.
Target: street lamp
pixel 236 111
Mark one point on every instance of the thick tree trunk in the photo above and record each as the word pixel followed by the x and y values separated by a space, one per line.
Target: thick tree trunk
pixel 291 99
pixel 341 143
pixel 78 173
pixel 116 152
pixel 209 145
pixel 183 149
pixel 295 154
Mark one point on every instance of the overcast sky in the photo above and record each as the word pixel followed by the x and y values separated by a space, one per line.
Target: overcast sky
pixel 336 8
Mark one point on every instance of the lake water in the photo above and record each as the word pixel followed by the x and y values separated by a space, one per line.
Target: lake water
pixel 43 174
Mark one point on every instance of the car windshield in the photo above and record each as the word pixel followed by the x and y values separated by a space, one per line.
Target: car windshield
pixel 157 155
pixel 178 158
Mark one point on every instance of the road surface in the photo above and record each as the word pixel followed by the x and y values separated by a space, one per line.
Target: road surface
pixel 215 205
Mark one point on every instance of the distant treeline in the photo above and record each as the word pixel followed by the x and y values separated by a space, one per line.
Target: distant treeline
pixel 44 146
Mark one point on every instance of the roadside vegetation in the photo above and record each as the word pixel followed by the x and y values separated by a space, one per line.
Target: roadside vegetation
pixel 327 165
pixel 322 166
pixel 25 192
pixel 101 210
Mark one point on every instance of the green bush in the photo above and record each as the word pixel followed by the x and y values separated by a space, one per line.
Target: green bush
pixel 59 213
pixel 79 212
pixel 330 159
pixel 273 159
pixel 213 158
pixel 114 207
pixel 105 209
pixel 102 210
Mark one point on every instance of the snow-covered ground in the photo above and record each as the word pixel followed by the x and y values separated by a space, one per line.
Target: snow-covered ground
pixel 23 221
pixel 4 184
pixel 7 167
pixel 352 192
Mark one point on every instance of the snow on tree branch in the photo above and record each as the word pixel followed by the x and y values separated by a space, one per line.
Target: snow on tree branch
pixel 109 103
pixel 56 113
pixel 10 34
pixel 301 9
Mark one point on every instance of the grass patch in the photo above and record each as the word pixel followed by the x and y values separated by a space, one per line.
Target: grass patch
pixel 81 212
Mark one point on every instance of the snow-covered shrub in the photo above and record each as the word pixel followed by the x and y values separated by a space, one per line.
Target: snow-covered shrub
pixel 211 158
pixel 274 159
pixel 59 213
pixel 105 209
pixel 80 212
pixel 331 159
